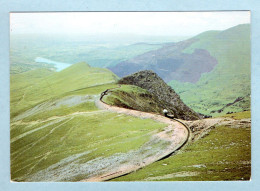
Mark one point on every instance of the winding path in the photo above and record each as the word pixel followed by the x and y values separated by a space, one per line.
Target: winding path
pixel 176 133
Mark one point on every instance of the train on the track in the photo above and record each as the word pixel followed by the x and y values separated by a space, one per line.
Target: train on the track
pixel 166 114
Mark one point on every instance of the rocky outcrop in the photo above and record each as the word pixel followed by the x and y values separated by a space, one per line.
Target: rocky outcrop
pixel 169 100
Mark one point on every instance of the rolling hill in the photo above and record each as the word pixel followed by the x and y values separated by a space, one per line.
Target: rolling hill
pixel 58 134
pixel 222 154
pixel 227 88
pixel 27 91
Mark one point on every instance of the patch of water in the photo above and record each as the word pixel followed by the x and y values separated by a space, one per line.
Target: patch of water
pixel 58 65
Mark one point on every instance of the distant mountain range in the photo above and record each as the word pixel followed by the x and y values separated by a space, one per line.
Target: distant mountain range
pixel 170 63
pixel 209 71
pixel 25 49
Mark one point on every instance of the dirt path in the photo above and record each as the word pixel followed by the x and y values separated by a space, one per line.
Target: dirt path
pixel 175 133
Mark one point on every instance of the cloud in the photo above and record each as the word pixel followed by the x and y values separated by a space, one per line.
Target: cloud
pixel 140 23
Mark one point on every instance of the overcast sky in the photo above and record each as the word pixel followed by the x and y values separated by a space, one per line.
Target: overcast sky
pixel 139 23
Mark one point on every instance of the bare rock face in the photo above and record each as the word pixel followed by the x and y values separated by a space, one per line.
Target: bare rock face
pixel 169 100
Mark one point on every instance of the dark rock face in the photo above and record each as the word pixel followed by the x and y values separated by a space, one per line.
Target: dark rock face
pixel 170 63
pixel 169 100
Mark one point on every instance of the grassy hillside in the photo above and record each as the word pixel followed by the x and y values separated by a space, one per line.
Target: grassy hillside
pixel 62 148
pixel 133 97
pixel 225 154
pixel 27 90
pixel 66 138
pixel 57 132
pixel 216 91
pixel 164 97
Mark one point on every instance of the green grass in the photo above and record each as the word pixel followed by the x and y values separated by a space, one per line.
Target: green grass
pixel 63 110
pixel 229 80
pixel 107 133
pixel 45 140
pixel 131 89
pixel 59 143
pixel 225 154
pixel 122 94
pixel 27 92
pixel 133 97
pixel 91 90
pixel 239 115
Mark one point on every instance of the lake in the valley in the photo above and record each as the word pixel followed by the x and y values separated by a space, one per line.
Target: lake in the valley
pixel 59 65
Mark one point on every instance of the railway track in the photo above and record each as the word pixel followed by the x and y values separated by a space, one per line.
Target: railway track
pixel 119 173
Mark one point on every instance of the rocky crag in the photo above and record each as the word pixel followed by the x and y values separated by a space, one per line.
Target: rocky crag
pixel 167 98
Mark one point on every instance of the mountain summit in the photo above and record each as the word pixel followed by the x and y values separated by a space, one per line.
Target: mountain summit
pixel 167 98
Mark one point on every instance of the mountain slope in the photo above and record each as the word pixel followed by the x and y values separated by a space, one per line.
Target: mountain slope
pixel 133 97
pixel 227 87
pixel 224 142
pixel 77 76
pixel 160 96
pixel 61 135
pixel 209 71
